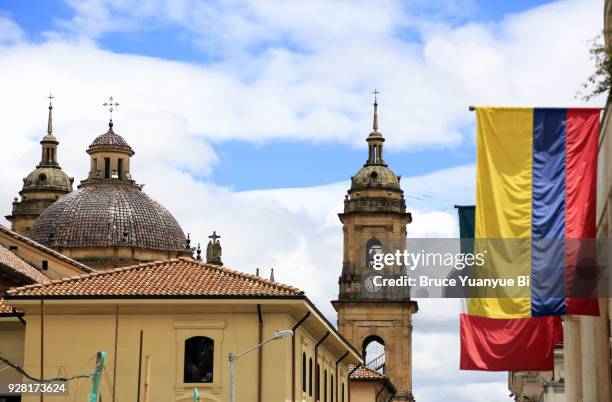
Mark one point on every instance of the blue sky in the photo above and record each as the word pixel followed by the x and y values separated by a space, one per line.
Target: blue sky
pixel 244 165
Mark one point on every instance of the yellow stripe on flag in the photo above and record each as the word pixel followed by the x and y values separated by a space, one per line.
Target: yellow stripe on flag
pixel 503 206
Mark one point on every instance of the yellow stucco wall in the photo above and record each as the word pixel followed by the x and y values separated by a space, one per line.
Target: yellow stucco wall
pixel 12 334
pixel 74 333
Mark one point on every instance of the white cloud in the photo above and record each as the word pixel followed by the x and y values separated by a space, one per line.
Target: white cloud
pixel 10 32
pixel 289 73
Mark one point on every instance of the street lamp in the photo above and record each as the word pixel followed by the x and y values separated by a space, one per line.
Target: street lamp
pixel 233 357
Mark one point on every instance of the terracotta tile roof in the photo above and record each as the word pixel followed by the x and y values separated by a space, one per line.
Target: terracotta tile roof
pixel 364 373
pixel 47 250
pixel 5 308
pixel 177 277
pixel 11 262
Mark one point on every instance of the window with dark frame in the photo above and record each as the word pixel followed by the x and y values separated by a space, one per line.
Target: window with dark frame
pixel 199 359
pixel 318 382
pixel 325 385
pixel 304 372
pixel 310 377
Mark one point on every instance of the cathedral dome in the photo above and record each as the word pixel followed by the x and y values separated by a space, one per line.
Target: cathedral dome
pixel 47 178
pixel 113 214
pixel 375 176
pixel 110 141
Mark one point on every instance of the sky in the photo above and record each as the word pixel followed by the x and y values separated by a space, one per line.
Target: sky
pixel 249 118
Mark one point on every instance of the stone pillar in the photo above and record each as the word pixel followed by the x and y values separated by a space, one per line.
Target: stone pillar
pixel 588 347
pixel 571 353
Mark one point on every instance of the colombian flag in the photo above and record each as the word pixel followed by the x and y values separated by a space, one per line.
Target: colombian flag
pixel 536 183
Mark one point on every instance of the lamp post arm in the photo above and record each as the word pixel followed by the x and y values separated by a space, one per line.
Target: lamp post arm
pixel 236 357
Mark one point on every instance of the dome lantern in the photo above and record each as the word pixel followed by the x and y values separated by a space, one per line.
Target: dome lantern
pixel 110 153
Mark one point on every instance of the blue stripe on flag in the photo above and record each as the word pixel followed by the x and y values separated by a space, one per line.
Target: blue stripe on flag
pixel 548 212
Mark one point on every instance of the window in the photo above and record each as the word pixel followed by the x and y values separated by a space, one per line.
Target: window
pixel 199 353
pixel 107 168
pixel 303 372
pixel 42 179
pixel 342 392
pixel 318 382
pixel 120 168
pixel 331 388
pixel 45 265
pixel 325 385
pixel 310 377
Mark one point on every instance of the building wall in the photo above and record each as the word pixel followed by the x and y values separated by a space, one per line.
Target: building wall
pixel 73 335
pixel 12 335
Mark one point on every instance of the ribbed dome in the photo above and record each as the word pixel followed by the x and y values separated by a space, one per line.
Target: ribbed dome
pixel 47 178
pixel 374 176
pixel 111 141
pixel 108 215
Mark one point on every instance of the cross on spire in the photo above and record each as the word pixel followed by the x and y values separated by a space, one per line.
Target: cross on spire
pixel 214 236
pixel 49 121
pixel 111 105
pixel 375 123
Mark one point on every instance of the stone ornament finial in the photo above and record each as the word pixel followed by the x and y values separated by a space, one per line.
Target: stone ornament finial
pixel 199 253
pixel 272 275
pixel 213 250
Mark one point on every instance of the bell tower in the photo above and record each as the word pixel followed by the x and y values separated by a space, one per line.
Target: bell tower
pixel 43 186
pixel 374 221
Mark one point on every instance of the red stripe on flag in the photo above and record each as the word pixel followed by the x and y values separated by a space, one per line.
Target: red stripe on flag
pixel 581 175
pixel 516 344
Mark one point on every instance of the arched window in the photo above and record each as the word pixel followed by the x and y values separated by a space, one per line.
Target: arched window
pixel 310 377
pixel 342 392
pixel 199 354
pixel 42 179
pixel 373 246
pixel 331 388
pixel 318 382
pixel 303 372
pixel 374 353
pixel 325 385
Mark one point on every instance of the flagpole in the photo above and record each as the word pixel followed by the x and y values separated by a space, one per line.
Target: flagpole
pixel 472 108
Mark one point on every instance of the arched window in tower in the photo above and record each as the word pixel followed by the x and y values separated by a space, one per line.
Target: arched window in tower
pixel 374 353
pixel 120 168
pixel 199 354
pixel 331 388
pixel 375 154
pixel 107 168
pixel 42 179
pixel 373 247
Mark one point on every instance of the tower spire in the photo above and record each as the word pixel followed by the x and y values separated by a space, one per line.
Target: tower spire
pixel 50 121
pixel 375 123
